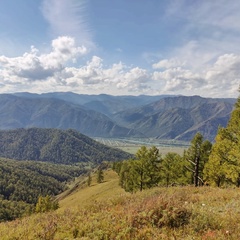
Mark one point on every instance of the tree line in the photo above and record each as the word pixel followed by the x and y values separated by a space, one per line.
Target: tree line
pixel 216 164
pixel 23 182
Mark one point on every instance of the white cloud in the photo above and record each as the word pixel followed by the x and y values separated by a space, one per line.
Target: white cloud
pixel 67 17
pixel 178 79
pixel 225 73
pixel 203 62
pixel 33 66
pixel 40 72
pixel 168 63
pixel 219 79
pixel 135 80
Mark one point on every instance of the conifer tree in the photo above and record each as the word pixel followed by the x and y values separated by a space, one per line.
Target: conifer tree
pixel 89 181
pixel 100 176
pixel 147 167
pixel 46 204
pixel 127 176
pixel 172 169
pixel 142 172
pixel 224 161
pixel 197 155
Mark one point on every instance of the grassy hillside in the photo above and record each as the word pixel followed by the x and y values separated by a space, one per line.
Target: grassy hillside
pixel 104 211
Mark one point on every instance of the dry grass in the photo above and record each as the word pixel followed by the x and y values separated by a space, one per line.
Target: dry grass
pixel 105 211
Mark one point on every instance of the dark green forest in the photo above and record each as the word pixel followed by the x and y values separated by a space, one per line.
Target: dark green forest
pixel 44 161
pixel 22 182
pixel 57 146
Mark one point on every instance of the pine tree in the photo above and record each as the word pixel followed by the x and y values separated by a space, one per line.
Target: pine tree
pixel 147 167
pixel 172 169
pixel 100 176
pixel 46 204
pixel 224 161
pixel 142 172
pixel 89 181
pixel 215 169
pixel 197 155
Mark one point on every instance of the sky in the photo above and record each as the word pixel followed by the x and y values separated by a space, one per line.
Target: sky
pixel 121 47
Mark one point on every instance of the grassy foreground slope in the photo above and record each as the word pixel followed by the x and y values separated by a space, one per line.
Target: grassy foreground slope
pixel 104 211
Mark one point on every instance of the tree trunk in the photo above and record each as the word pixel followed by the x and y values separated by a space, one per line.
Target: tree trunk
pixel 196 172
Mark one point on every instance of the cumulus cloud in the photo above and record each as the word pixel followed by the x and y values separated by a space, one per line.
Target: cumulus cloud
pixel 34 66
pixel 225 72
pixel 40 72
pixel 221 78
pixel 116 76
pixel 178 79
pixel 135 80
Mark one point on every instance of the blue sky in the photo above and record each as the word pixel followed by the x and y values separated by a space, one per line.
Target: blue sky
pixel 120 47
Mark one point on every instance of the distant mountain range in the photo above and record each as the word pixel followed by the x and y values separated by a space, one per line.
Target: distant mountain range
pixel 163 116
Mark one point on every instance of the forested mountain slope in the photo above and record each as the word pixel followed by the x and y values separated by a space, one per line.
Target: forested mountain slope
pixel 54 145
pixel 22 112
pixel 165 117
pixel 22 182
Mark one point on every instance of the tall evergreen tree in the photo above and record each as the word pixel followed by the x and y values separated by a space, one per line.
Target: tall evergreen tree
pixel 127 176
pixel 147 167
pixel 197 155
pixel 89 181
pixel 224 161
pixel 142 172
pixel 172 169
pixel 100 176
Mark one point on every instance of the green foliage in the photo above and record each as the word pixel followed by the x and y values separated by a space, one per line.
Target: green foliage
pixel 224 162
pixel 46 204
pixel 10 210
pixel 100 175
pixel 150 169
pixel 26 180
pixel 57 146
pixel 21 182
pixel 142 172
pixel 172 170
pixel 89 181
pixel 197 155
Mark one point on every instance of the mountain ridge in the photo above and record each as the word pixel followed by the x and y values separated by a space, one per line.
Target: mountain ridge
pixel 56 146
pixel 107 116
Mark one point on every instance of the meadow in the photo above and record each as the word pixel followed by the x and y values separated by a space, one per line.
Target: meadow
pixel 105 211
pixel 131 145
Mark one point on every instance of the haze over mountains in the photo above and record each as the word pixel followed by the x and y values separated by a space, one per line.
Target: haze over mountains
pixel 165 117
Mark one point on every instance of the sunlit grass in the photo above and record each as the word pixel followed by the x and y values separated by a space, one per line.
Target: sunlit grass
pixel 105 211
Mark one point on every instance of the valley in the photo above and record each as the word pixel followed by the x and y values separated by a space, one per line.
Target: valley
pixel 161 117
pixel 55 149
pixel 131 145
